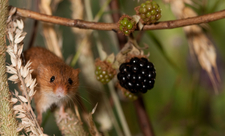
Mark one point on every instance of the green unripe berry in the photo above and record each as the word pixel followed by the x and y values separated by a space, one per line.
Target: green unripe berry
pixel 146 19
pixel 106 77
pixel 158 10
pixel 97 72
pixel 148 14
pixel 153 12
pixel 121 27
pixel 121 22
pixel 104 72
pixel 149 7
pixel 124 22
pixel 126 32
pixel 140 9
pixel 129 26
pixel 125 18
pixel 130 96
pixel 158 16
pixel 144 10
pixel 147 2
pixel 99 68
pixel 155 6
pixel 98 78
pixel 153 17
pixel 142 16
pixel 110 75
pixel 154 3
pixel 143 5
pixel 102 80
pixel 107 80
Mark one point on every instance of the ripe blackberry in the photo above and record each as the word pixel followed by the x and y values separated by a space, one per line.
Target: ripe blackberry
pixel 104 71
pixel 149 12
pixel 138 75
pixel 126 25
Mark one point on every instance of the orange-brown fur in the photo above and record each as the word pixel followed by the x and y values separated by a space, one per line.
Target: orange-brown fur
pixel 45 65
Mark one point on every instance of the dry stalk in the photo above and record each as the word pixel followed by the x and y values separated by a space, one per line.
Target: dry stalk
pixel 92 128
pixel 22 75
pixel 199 44
pixel 48 29
pixel 54 4
pixel 72 127
pixel 86 62
pixel 8 123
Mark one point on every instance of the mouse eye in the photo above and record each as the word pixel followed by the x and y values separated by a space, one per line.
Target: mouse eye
pixel 52 79
pixel 70 81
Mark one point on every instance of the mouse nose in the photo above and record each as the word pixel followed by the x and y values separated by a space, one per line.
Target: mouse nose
pixel 60 92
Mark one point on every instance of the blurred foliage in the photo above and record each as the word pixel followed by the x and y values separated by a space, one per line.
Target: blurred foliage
pixel 183 101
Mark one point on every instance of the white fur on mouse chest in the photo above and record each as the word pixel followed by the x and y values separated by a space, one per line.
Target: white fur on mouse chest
pixel 49 99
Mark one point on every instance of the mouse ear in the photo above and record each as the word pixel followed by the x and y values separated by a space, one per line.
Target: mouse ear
pixel 76 72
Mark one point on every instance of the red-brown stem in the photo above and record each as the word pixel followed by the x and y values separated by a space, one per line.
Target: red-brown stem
pixel 139 105
pixel 116 16
pixel 35 26
pixel 34 33
pixel 143 118
pixel 112 26
pixel 65 21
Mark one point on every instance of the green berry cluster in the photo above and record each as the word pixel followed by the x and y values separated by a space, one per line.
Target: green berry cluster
pixel 126 25
pixel 149 12
pixel 130 95
pixel 103 76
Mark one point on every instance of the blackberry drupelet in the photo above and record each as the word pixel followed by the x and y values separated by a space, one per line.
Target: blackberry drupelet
pixel 138 75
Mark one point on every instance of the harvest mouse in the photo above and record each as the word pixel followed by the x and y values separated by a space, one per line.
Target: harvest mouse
pixel 56 81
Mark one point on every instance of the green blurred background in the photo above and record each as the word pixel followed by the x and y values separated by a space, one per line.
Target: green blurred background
pixel 183 102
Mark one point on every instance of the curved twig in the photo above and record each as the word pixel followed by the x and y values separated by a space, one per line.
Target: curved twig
pixel 112 26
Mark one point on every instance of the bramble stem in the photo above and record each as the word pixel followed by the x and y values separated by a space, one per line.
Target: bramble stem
pixel 112 26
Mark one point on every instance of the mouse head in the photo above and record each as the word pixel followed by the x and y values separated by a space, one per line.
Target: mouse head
pixel 58 80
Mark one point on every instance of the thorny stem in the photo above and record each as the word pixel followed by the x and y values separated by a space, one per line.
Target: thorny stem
pixel 139 105
pixel 143 118
pixel 112 26
pixel 34 33
pixel 114 5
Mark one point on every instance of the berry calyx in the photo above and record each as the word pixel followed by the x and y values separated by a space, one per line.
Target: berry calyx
pixel 149 12
pixel 137 75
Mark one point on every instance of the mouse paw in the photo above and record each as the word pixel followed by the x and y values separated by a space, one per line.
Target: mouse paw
pixel 63 116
